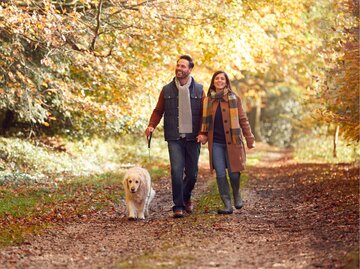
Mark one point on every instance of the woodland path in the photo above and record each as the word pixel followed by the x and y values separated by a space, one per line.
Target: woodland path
pixel 295 216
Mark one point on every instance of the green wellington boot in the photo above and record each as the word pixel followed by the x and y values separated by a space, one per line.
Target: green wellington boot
pixel 224 191
pixel 235 185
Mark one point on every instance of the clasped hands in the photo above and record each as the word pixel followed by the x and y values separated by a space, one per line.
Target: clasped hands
pixel 201 139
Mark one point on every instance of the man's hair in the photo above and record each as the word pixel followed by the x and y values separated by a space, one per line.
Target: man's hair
pixel 187 58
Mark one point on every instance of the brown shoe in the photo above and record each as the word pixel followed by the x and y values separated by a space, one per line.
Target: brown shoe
pixel 189 207
pixel 178 213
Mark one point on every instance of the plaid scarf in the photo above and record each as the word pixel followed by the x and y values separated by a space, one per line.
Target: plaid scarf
pixel 207 120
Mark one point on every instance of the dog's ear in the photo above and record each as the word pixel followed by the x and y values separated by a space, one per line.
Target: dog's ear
pixel 125 182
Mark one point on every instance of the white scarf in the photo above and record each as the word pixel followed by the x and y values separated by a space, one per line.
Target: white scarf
pixel 185 116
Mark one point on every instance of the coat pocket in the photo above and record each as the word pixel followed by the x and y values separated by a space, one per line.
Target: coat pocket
pixel 242 153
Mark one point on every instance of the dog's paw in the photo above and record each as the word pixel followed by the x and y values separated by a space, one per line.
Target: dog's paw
pixel 131 218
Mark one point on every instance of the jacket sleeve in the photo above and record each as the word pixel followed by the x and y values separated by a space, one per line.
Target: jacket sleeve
pixel 244 124
pixel 202 113
pixel 158 111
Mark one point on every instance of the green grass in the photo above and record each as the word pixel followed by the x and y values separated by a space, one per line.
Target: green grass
pixel 22 204
pixel 353 260
pixel 27 210
pixel 16 233
pixel 211 201
pixel 158 171
pixel 35 180
pixel 319 149
pixel 254 158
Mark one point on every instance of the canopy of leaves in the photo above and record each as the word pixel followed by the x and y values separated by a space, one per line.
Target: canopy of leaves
pixel 338 92
pixel 86 67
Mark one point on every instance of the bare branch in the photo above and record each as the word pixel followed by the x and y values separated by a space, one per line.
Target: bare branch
pixel 124 5
pixel 98 23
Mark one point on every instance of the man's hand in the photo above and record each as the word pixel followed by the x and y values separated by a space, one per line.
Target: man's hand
pixel 202 139
pixel 149 130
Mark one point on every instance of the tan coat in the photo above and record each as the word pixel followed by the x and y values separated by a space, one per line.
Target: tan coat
pixel 236 153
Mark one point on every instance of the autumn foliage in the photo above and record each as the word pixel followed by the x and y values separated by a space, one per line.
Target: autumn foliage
pixel 340 90
pixel 96 67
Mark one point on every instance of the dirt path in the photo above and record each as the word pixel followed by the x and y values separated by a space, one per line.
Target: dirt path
pixel 295 216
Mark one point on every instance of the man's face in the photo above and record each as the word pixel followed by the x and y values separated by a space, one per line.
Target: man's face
pixel 182 69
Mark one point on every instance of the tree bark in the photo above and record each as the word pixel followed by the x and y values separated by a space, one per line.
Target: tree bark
pixel 257 129
pixel 336 138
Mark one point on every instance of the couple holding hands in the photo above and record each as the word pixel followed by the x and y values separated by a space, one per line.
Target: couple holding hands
pixel 191 118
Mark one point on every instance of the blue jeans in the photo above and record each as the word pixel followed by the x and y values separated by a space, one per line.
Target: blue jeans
pixel 184 157
pixel 220 161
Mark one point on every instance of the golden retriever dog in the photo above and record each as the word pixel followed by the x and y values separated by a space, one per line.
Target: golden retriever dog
pixel 138 192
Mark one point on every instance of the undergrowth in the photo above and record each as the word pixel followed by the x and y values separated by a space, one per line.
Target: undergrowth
pixel 319 149
pixel 40 187
pixel 26 210
pixel 27 161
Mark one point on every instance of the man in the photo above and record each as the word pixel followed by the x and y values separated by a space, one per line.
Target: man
pixel 180 102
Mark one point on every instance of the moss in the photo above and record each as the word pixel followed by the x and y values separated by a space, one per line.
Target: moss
pixel 353 260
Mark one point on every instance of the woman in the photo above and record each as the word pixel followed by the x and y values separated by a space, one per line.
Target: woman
pixel 224 123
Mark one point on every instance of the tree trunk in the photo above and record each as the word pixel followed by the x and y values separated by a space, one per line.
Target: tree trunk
pixel 257 129
pixel 336 138
pixel 7 121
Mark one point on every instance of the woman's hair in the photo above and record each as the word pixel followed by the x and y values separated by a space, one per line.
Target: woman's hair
pixel 212 86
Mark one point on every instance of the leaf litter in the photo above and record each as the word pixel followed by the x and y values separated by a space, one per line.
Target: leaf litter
pixel 295 216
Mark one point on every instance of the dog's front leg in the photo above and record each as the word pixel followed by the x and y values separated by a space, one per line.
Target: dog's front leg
pixel 141 211
pixel 132 211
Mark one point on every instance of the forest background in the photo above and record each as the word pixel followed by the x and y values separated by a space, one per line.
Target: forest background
pixel 77 76
pixel 80 78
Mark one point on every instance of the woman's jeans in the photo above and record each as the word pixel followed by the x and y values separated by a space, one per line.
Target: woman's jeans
pixel 220 161
pixel 184 157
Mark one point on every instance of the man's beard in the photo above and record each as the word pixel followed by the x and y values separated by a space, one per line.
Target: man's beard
pixel 180 74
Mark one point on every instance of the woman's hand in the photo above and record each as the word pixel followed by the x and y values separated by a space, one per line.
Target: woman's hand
pixel 251 146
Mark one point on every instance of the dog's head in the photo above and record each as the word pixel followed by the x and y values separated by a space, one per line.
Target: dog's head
pixel 133 183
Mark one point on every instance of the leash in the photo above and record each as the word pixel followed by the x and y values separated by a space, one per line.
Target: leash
pixel 149 143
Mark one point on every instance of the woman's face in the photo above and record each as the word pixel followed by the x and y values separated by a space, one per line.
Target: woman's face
pixel 220 81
